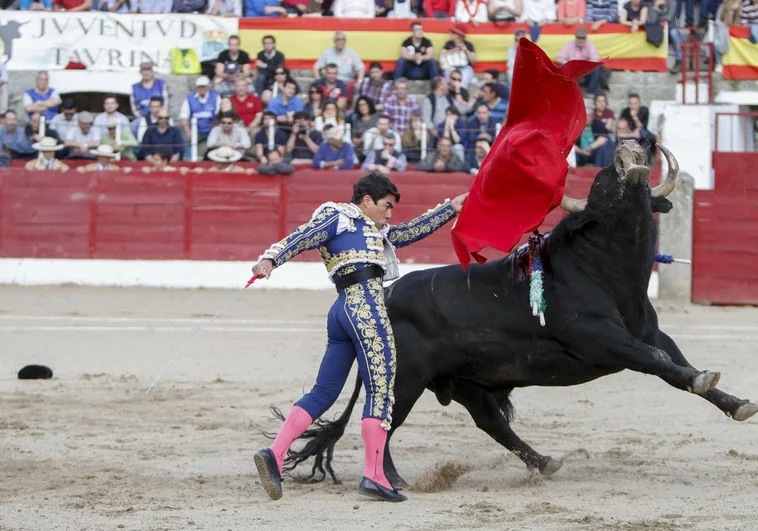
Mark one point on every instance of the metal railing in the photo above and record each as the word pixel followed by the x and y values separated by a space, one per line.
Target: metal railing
pixel 692 50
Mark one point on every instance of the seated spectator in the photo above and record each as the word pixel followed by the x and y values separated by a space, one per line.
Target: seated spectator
pixel 276 165
pixel 334 154
pixel 665 11
pixel 315 102
pixel 469 11
pixel 35 5
pixel 536 14
pixel 411 140
pixel 202 104
pixel 330 115
pixel 81 139
pixel 571 12
pixel 225 158
pixel 453 129
pixel 233 55
pixel 498 106
pixel 458 54
pixel 504 10
pixel 434 107
pixel 225 8
pixel 264 8
pixel 441 160
pixel 13 137
pixel 332 88
pixel 143 93
pixel 304 140
pixel 110 108
pixel 299 7
pixel 354 8
pixel 123 142
pixel 375 87
pixel 285 105
pixel 363 119
pixel 47 147
pixel 247 106
pixel 349 64
pixel 162 138
pixel 373 139
pixel 104 156
pixel 72 5
pixel 581 48
pixel 400 106
pixel 66 120
pixel 226 105
pixel 269 137
pixel 151 120
pixel 602 117
pixel 33 130
pixel 439 9
pixel 416 56
pixel 492 75
pixel 459 94
pixel 229 134
pixel 281 76
pixel 42 98
pixel 267 61
pixel 600 12
pixel 637 116
pixel 387 159
pixel 481 124
pixel 634 15
pixel 518 34
pixel 152 6
pixel 160 160
pixel 591 149
pixel 475 157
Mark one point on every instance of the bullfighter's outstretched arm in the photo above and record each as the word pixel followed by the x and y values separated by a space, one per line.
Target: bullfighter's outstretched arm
pixel 422 226
pixel 320 229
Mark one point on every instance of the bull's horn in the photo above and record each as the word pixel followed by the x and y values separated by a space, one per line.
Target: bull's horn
pixel 669 183
pixel 573 205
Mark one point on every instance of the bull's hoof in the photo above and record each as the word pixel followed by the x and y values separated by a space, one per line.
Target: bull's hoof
pixel 745 411
pixel 704 382
pixel 550 467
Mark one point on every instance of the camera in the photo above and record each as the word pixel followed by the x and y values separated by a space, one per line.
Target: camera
pixel 302 129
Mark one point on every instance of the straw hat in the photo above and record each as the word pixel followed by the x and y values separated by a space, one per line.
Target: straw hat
pixel 103 150
pixel 47 144
pixel 225 154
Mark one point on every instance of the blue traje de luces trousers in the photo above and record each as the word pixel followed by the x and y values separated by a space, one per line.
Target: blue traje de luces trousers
pixel 357 328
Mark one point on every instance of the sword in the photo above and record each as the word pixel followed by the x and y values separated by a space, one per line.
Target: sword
pixel 232 299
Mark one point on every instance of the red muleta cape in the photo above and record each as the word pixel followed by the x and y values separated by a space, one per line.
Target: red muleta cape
pixel 522 178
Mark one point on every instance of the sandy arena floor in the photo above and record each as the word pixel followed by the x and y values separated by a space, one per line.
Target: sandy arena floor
pixel 89 450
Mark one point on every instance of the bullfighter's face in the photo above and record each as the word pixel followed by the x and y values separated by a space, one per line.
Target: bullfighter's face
pixel 380 211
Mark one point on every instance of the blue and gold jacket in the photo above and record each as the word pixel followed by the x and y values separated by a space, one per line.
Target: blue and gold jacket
pixel 348 240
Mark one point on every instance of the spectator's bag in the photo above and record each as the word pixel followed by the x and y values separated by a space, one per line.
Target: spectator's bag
pixel 452 59
pixel 184 61
pixel 190 6
pixel 654 33
pixel 718 34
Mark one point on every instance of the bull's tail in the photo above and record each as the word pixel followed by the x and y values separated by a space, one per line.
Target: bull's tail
pixel 321 440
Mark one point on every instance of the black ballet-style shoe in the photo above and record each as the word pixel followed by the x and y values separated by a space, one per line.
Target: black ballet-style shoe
pixel 372 489
pixel 268 470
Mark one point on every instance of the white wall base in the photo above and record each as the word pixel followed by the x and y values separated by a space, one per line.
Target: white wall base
pixel 181 274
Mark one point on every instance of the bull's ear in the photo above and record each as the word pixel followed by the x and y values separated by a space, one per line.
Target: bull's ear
pixel 661 204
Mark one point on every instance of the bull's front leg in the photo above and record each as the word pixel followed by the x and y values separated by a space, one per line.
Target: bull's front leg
pixel 604 342
pixel 736 408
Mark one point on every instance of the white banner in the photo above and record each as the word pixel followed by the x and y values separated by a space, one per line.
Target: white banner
pixel 107 41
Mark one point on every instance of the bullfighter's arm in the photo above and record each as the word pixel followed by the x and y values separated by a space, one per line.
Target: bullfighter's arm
pixel 319 230
pixel 422 226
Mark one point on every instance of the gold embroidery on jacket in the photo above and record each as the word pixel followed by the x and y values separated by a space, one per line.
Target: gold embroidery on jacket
pixel 421 226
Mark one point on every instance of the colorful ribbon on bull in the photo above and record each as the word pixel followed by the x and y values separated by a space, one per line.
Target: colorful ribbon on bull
pixel 536 276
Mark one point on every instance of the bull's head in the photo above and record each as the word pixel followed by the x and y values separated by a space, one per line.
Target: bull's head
pixel 628 168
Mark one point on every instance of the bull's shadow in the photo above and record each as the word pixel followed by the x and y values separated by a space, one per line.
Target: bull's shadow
pixel 470 336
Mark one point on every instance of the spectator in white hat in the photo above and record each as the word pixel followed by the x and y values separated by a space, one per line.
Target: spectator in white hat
pixel 204 104
pixel 104 155
pixel 47 148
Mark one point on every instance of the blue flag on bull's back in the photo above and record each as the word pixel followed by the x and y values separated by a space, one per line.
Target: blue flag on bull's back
pixel 522 178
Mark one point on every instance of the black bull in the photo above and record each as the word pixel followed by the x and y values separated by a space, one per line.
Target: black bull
pixel 470 336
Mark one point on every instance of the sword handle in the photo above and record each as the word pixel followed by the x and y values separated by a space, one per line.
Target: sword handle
pixel 253 279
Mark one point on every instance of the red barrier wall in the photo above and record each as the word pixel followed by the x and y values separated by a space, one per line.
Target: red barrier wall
pixel 212 216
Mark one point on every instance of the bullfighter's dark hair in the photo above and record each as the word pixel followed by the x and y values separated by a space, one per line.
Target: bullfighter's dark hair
pixel 374 185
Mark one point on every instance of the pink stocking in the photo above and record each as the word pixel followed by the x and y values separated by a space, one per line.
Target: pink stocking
pixel 296 423
pixel 374 440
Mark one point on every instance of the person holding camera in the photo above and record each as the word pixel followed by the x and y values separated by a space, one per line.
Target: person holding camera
pixel 387 159
pixel 304 141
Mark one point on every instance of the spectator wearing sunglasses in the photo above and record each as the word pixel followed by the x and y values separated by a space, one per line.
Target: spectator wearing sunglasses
pixel 228 133
pixel 162 137
pixel 281 76
pixel 387 159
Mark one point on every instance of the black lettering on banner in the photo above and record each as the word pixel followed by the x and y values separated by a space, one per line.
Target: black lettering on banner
pixel 41 29
pixel 86 28
pixel 115 56
pixel 188 29
pixel 164 31
pixel 122 29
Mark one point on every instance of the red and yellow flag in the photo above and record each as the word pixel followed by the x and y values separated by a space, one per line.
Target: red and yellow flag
pixel 741 61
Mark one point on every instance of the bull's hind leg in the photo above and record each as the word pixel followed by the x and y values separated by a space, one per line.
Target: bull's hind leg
pixel 493 419
pixel 736 408
pixel 404 402
pixel 604 342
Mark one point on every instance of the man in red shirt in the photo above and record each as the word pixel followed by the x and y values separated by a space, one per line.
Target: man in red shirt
pixel 247 106
pixel 439 8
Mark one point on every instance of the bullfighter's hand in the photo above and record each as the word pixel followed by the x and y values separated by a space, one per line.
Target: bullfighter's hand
pixel 264 268
pixel 458 202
